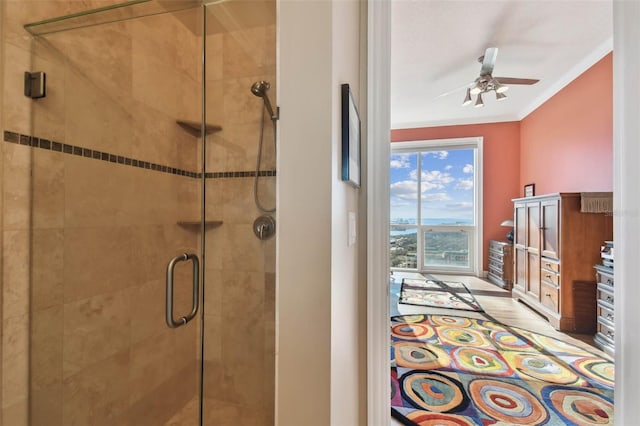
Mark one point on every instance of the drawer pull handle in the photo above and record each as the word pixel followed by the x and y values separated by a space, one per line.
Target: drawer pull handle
pixel 610 281
pixel 548 294
pixel 610 317
pixel 610 299
pixel 548 276
pixel 610 334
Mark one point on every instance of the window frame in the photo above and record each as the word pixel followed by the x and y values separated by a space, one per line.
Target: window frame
pixel 476 245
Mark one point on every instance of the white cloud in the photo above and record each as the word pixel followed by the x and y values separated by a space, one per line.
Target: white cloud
pixel 440 154
pixel 437 176
pixel 464 184
pixel 428 186
pixel 400 161
pixel 435 179
pixel 449 167
pixel 468 168
pixel 404 189
pixel 436 196
pixel 408 189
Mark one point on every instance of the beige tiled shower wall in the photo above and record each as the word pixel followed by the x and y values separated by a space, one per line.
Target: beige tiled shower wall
pixel 239 355
pixel 85 242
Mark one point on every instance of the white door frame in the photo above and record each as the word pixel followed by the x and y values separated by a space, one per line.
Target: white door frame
pixel 378 143
pixel 626 206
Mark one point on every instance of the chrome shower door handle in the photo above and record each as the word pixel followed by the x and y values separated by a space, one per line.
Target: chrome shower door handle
pixel 171 322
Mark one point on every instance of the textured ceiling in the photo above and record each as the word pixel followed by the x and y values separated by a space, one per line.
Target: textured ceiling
pixel 435 46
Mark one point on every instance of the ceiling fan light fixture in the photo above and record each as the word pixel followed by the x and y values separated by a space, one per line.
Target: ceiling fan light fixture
pixel 479 102
pixel 467 98
pixel 500 96
pixel 501 88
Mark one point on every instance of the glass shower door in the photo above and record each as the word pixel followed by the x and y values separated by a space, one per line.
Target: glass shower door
pixel 239 326
pixel 106 189
pixel 139 159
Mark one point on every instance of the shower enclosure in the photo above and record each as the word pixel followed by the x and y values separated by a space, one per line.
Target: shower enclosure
pixel 136 166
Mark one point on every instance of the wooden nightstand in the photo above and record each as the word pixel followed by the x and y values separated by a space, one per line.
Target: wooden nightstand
pixel 501 264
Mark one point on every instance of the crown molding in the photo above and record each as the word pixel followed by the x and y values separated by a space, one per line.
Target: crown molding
pixel 587 62
pixel 457 122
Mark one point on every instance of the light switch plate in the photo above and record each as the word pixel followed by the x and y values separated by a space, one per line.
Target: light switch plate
pixel 353 235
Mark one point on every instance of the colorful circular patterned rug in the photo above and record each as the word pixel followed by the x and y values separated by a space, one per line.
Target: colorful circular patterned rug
pixel 448 370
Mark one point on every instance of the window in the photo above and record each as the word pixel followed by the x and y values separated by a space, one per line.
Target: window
pixel 434 205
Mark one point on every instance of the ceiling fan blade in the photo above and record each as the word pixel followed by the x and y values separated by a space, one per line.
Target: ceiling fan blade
pixel 489 60
pixel 471 84
pixel 511 80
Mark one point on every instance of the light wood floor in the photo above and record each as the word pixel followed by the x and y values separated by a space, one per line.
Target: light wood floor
pixel 496 302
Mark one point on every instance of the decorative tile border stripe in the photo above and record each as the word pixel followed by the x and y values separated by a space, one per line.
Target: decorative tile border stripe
pixel 252 173
pixel 35 142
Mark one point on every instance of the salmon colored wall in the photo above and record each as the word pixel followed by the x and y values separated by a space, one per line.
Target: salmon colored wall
pixel 566 145
pixel 501 171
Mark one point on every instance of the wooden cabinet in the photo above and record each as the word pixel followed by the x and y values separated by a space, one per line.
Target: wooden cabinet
pixel 500 264
pixel 555 248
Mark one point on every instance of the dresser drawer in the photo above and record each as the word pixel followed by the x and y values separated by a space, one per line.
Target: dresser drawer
pixel 604 343
pixel 550 265
pixel 496 271
pixel 499 246
pixel 606 331
pixel 497 256
pixel 604 278
pixel 550 277
pixel 605 294
pixel 495 278
pixel 605 313
pixel 496 264
pixel 549 296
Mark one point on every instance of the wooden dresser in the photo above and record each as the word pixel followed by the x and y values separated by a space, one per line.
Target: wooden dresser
pixel 555 248
pixel 501 264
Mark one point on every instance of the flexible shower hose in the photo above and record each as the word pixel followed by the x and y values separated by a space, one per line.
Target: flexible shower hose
pixel 257 175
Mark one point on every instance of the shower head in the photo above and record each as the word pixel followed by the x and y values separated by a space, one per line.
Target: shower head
pixel 259 89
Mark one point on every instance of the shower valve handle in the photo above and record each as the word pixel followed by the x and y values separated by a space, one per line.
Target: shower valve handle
pixel 264 227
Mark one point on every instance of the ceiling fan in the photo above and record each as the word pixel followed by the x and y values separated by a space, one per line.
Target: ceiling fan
pixel 486 82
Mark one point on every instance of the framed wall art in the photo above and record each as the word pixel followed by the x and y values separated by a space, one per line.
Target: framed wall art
pixel 350 138
pixel 530 190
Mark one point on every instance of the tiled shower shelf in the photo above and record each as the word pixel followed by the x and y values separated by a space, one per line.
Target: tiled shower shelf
pixel 195 128
pixel 194 224
pixel 113 13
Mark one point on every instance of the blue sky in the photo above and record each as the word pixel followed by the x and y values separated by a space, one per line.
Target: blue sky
pixel 447 185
